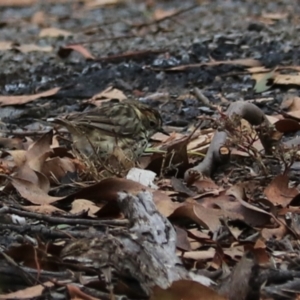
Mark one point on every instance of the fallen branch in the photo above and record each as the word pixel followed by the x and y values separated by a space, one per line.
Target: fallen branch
pixel 144 252
pixel 216 155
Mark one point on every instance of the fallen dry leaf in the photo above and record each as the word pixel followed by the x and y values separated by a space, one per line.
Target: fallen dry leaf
pixel 38 18
pixel 287 79
pixel 25 48
pixel 93 4
pixel 54 32
pixel 246 62
pixel 275 16
pixel 5 45
pixel 32 192
pixel 57 167
pixel 274 233
pixel 295 114
pixel 77 294
pixel 106 95
pixel 290 101
pixel 279 192
pixel 11 143
pixel 287 125
pixel 187 290
pixel 200 254
pixel 161 13
pixel 28 293
pixel 65 51
pixel 80 205
pixel 207 217
pixel 17 2
pixel 19 100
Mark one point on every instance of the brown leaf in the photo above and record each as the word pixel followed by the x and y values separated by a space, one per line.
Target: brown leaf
pixel 17 2
pixel 236 208
pixel 57 167
pixel 106 192
pixel 5 45
pixel 287 125
pixel 11 143
pixel 182 241
pixel 187 290
pixel 106 95
pixel 161 13
pixel 65 51
pixel 287 79
pixel 32 192
pixel 35 177
pixel 54 32
pixel 25 48
pixel 275 16
pixel 38 18
pixel 76 294
pixel 290 101
pixel 93 4
pixel 207 217
pixel 30 292
pixel 200 255
pixel 19 157
pixel 19 100
pixel 246 62
pixel 80 205
pixel 279 192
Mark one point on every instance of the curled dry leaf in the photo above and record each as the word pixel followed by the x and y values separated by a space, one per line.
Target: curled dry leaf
pixel 234 207
pixel 106 192
pixel 182 241
pixel 287 79
pixel 279 192
pixel 26 48
pixel 80 205
pixel 11 143
pixel 32 192
pixel 19 100
pixel 65 51
pixel 35 177
pixel 287 125
pixel 30 292
pixel 76 293
pixel 57 167
pixel 207 217
pixel 187 290
pixel 54 32
pixel 93 4
pixel 277 233
pixel 107 95
pixel 290 101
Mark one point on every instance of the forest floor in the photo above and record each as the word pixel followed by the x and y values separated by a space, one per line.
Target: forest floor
pixel 207 66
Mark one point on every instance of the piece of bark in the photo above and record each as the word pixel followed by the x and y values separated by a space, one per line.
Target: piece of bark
pixel 214 157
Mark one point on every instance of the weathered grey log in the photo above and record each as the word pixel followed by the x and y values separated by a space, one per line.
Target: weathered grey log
pixel 145 251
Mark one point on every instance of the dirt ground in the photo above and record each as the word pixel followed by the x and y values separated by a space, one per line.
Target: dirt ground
pixel 189 59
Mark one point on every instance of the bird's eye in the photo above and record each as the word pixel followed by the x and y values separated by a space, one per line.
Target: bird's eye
pixel 152 124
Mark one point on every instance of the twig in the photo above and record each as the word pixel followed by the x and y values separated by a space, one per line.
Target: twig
pixel 166 17
pixel 60 220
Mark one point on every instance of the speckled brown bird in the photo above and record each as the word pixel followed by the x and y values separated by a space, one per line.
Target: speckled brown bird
pixel 126 125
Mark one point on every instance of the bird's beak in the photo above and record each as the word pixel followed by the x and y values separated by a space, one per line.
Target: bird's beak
pixel 163 131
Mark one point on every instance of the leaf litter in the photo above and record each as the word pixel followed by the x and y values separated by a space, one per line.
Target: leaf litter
pixel 233 211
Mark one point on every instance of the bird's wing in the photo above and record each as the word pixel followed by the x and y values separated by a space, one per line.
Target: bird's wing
pixel 120 119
